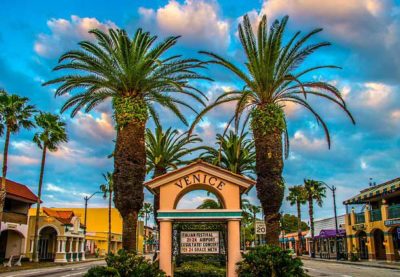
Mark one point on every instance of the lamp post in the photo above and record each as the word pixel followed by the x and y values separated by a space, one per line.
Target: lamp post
pixel 87 198
pixel 333 189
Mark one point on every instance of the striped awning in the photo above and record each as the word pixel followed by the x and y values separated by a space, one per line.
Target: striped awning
pixel 375 192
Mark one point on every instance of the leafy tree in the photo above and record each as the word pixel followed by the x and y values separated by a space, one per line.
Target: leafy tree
pixel 235 152
pixel 137 76
pixel 209 204
pixel 108 188
pixel 51 135
pixel 297 196
pixel 290 224
pixel 315 191
pixel 167 150
pixel 15 113
pixel 274 75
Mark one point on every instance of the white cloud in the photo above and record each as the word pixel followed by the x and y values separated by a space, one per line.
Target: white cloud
pixel 52 187
pixel 196 21
pixel 66 33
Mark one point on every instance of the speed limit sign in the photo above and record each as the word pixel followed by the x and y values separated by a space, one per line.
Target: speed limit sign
pixel 260 228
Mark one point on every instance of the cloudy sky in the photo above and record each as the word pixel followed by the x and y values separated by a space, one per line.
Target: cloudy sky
pixel 365 38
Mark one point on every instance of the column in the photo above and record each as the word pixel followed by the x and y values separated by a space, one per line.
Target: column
pixel 367 214
pixel 83 248
pixel 166 247
pixel 76 249
pixel 384 210
pixel 60 253
pixel 389 247
pixel 70 250
pixel 371 247
pixel 234 255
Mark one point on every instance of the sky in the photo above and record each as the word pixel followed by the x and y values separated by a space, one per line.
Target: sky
pixel 365 37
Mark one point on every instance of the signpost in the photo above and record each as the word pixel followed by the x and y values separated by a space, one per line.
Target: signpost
pixel 194 242
pixel 260 228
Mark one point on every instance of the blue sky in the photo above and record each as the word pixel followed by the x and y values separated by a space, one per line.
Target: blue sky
pixel 365 38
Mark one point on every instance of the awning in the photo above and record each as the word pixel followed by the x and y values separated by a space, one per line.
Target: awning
pixel 331 233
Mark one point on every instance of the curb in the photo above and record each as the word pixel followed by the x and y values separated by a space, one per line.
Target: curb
pixel 353 263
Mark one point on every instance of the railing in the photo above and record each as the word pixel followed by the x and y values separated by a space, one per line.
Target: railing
pixel 360 218
pixel 376 215
pixel 394 211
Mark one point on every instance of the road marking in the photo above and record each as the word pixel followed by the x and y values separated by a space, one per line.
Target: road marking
pixel 347 276
pixel 73 274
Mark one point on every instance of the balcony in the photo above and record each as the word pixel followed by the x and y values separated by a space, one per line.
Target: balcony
pixel 394 211
pixel 360 218
pixel 12 217
pixel 376 215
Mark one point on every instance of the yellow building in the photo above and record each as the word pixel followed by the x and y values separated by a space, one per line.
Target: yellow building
pixel 97 229
pixel 373 232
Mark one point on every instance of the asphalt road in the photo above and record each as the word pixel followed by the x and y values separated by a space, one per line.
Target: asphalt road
pixel 319 268
pixel 75 270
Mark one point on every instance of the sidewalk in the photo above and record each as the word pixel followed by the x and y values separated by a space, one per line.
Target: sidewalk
pixel 376 264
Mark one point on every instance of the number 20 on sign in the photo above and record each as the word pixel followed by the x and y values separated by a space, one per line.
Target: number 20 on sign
pixel 260 228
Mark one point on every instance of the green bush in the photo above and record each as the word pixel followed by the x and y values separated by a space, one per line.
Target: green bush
pixel 267 260
pixel 199 269
pixel 102 271
pixel 132 265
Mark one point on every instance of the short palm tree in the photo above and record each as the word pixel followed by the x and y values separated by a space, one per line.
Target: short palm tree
pixel 253 210
pixel 274 75
pixel 315 191
pixel 145 213
pixel 51 135
pixel 137 75
pixel 297 196
pixel 15 113
pixel 167 150
pixel 209 203
pixel 108 188
pixel 235 152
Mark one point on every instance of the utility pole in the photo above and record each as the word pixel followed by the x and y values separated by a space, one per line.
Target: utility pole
pixel 87 198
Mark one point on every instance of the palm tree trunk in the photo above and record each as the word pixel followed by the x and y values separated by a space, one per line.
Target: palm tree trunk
pixel 4 178
pixel 109 223
pixel 300 246
pixel 311 213
pixel 270 187
pixel 129 174
pixel 35 256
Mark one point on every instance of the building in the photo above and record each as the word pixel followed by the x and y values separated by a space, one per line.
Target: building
pixel 325 237
pixel 291 241
pixel 14 222
pixel 373 222
pixel 150 239
pixel 97 230
pixel 61 236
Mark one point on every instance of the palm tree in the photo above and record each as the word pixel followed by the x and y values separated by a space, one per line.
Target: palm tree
pixel 53 133
pixel 167 151
pixel 315 190
pixel 108 188
pixel 209 203
pixel 274 75
pixel 137 76
pixel 145 212
pixel 297 196
pixel 236 153
pixel 253 210
pixel 15 113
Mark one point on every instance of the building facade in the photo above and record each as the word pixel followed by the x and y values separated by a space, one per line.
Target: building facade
pixel 373 222
pixel 14 223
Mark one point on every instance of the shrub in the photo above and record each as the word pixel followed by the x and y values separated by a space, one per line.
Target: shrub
pixel 132 265
pixel 268 260
pixel 199 269
pixel 102 271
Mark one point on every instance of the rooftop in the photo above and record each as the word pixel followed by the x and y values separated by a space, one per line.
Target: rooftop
pixel 20 191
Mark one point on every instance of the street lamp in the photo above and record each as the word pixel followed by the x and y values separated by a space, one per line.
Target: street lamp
pixel 87 198
pixel 333 189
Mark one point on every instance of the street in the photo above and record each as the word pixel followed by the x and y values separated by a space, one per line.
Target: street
pixel 75 270
pixel 319 268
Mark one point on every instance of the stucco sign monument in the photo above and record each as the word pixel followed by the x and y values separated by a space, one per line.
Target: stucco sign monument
pixel 194 231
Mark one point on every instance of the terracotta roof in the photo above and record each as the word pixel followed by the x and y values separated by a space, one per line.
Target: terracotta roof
pixel 19 190
pixel 62 216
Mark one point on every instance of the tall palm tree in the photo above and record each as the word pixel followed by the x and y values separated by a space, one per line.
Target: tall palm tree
pixel 15 113
pixel 209 203
pixel 108 188
pixel 167 150
pixel 137 75
pixel 253 210
pixel 145 213
pixel 235 152
pixel 274 75
pixel 51 135
pixel 297 196
pixel 315 191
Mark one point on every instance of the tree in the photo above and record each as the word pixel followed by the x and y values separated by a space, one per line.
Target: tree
pixel 137 76
pixel 15 113
pixel 209 203
pixel 315 191
pixel 108 188
pixel 297 196
pixel 52 134
pixel 290 224
pixel 253 210
pixel 235 153
pixel 145 213
pixel 274 75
